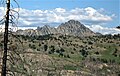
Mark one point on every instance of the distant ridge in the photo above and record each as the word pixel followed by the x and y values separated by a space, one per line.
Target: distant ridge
pixel 72 27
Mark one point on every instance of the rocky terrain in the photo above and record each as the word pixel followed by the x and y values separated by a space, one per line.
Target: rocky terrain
pixel 72 27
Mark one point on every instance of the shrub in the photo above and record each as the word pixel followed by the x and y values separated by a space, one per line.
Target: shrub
pixel 45 47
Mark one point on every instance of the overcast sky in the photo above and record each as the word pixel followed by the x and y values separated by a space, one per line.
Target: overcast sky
pixel 99 15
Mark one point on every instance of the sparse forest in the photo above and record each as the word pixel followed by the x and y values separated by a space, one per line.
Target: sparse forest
pixel 65 55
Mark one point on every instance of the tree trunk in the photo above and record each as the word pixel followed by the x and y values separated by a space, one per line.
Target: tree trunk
pixel 4 62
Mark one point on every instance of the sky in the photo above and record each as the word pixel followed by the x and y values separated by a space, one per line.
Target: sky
pixel 98 15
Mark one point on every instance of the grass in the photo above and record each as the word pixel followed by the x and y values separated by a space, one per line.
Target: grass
pixel 105 54
pixel 70 67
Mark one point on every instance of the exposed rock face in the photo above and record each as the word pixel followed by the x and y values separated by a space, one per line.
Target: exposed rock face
pixel 74 28
pixel 71 27
pixel 46 30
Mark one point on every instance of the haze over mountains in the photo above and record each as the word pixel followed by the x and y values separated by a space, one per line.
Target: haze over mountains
pixel 72 27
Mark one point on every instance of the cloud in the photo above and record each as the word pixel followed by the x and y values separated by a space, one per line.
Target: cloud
pixel 59 15
pixel 34 18
pixel 2 12
pixel 103 30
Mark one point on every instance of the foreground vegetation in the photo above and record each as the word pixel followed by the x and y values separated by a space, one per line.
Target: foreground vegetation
pixel 62 55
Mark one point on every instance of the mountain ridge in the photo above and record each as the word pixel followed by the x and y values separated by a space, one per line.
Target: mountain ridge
pixel 72 27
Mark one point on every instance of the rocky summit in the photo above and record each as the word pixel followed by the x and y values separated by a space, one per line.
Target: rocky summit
pixel 72 27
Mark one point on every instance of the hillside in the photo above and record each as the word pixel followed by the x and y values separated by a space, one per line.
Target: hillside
pixel 64 55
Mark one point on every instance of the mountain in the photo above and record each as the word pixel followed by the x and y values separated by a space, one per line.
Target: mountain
pixel 72 27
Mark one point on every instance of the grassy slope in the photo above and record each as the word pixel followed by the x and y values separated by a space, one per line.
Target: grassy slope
pixel 76 53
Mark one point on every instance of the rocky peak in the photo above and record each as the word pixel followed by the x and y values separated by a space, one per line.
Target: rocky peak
pixel 46 29
pixel 73 27
pixel 74 22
